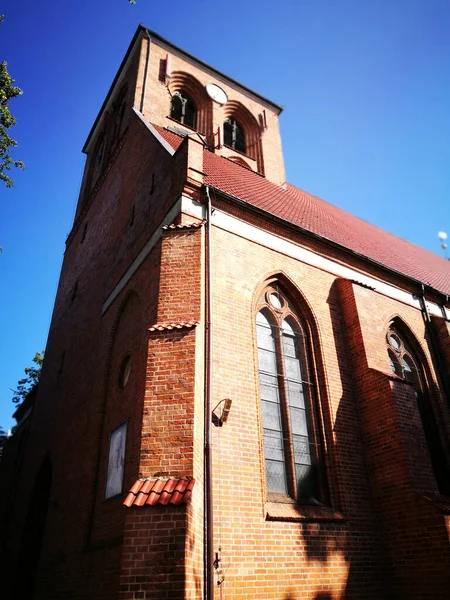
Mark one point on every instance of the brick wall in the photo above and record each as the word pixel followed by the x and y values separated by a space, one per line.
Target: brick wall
pixel 269 155
pixel 153 559
pixel 376 468
pixel 384 532
pixel 80 400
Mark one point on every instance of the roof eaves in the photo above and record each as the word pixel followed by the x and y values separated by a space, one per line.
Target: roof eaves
pixel 138 31
pixel 156 36
pixel 325 240
pixel 142 29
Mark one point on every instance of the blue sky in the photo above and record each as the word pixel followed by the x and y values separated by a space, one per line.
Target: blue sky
pixel 366 92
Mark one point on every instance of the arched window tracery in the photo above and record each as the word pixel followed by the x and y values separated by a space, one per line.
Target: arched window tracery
pixel 405 363
pixel 290 425
pixel 233 135
pixel 183 109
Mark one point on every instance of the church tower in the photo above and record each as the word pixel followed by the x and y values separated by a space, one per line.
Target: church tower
pixel 245 389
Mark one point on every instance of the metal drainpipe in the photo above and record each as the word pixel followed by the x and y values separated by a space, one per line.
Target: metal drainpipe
pixel 208 493
pixel 144 84
pixel 434 344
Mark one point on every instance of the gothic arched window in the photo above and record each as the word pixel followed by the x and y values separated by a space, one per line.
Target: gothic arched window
pixel 183 109
pixel 291 449
pixel 233 135
pixel 404 363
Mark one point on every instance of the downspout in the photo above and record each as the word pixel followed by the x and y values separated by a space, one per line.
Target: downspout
pixel 208 491
pixel 144 84
pixel 434 344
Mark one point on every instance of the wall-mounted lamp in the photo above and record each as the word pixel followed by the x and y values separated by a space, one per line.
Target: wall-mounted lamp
pixel 225 405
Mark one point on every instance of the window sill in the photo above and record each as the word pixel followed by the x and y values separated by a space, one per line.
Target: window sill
pixel 187 127
pixel 238 151
pixel 394 377
pixel 289 512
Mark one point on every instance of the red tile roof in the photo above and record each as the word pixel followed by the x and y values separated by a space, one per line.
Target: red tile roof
pixel 323 219
pixel 149 492
pixel 180 325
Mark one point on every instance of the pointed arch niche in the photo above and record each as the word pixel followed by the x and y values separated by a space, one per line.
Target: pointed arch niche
pixel 289 398
pixel 123 394
pixel 408 361
pixel 183 84
pixel 243 131
pixel 34 530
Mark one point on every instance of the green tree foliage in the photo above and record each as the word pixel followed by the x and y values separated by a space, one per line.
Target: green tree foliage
pixel 29 383
pixel 7 92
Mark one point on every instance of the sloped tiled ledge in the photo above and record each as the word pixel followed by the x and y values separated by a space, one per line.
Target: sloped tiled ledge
pixel 170 326
pixel 281 511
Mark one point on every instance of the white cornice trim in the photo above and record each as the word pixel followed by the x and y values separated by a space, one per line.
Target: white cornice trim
pixel 155 132
pixel 137 262
pixel 254 234
pixel 269 240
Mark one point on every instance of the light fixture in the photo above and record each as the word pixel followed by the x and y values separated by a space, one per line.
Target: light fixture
pixel 225 406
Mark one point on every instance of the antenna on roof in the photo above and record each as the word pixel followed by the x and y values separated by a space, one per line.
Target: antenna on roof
pixel 442 235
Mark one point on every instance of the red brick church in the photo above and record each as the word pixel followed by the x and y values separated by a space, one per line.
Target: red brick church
pixel 246 390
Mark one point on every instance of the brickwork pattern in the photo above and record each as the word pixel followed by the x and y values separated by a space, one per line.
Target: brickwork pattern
pixel 380 536
pixel 157 107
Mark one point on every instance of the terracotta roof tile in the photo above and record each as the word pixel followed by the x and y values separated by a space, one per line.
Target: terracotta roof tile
pixel 179 490
pixel 146 488
pixel 135 487
pixel 180 325
pixel 140 499
pixel 195 225
pixel 152 491
pixel 174 139
pixel 324 219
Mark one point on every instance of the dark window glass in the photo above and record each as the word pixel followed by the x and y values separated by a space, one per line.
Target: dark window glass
pixel 290 451
pixel 183 109
pixel 228 133
pixel 233 135
pixel 404 364
pixel 190 114
pixel 239 143
pixel 177 108
pixel 125 370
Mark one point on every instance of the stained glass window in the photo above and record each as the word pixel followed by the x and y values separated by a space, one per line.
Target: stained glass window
pixel 290 448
